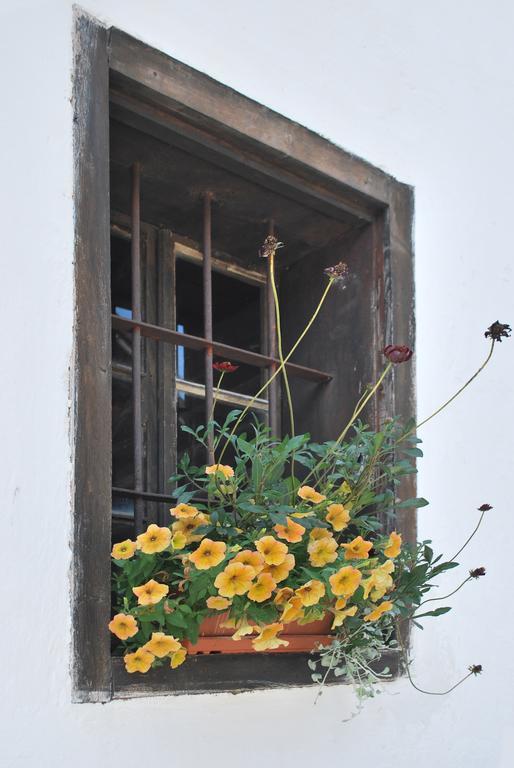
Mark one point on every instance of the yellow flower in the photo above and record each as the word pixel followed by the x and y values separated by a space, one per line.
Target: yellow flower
pixel 188 526
pixel 291 532
pixel 394 545
pixel 340 603
pixel 338 516
pixel 379 582
pixel 178 658
pixel 311 592
pixel 161 645
pixel 322 551
pixel 292 610
pixel 123 626
pixel 379 610
pixel 281 571
pixel 303 514
pixel 124 550
pixel 254 559
pixel 340 616
pixel 209 554
pixel 184 511
pixel 345 581
pixel 224 469
pixel 243 629
pixel 319 533
pixel 357 549
pixel 150 593
pixel 218 603
pixel 274 552
pixel 236 579
pixel 267 639
pixel 345 488
pixel 140 661
pixel 309 494
pixel 178 540
pixel 283 595
pixel 154 540
pixel 262 589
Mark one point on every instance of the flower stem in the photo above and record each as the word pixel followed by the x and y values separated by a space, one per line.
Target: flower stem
pixel 445 597
pixel 216 394
pixel 469 537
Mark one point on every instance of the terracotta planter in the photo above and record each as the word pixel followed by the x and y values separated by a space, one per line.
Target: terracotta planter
pixel 302 638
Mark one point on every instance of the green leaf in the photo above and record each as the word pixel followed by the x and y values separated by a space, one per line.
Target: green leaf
pixel 436 612
pixel 412 503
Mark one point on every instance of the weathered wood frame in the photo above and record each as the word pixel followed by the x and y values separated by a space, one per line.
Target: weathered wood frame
pixel 290 157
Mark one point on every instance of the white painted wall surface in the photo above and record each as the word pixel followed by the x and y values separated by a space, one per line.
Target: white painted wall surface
pixel 424 90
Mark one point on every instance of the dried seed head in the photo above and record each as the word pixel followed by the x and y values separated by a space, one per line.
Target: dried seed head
pixel 476 573
pixel 269 247
pixel 498 330
pixel 338 272
pixel 475 669
pixel 484 508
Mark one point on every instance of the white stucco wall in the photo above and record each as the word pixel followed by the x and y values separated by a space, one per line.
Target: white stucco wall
pixel 424 90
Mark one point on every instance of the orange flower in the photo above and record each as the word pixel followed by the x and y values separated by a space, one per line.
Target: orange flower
pixel 338 516
pixel 394 545
pixel 379 582
pixel 155 539
pixel 209 554
pixel 218 603
pixel 178 658
pixel 357 549
pixel 309 494
pixel 267 639
pixel 340 603
pixel 281 572
pixel 311 592
pixel 283 595
pixel 124 550
pixel 262 589
pixel 184 511
pixel 345 581
pixel 379 610
pixel 254 559
pixel 150 593
pixel 162 645
pixel 123 626
pixel 274 552
pixel 291 532
pixel 292 610
pixel 223 469
pixel 243 628
pixel 140 661
pixel 340 616
pixel 319 533
pixel 236 579
pixel 188 526
pixel 322 551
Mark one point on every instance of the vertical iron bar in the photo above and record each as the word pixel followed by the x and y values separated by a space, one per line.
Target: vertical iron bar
pixel 273 390
pixel 207 317
pixel 136 343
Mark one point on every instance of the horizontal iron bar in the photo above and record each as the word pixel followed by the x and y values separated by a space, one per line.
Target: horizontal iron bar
pixel 222 350
pixel 222 395
pixel 142 495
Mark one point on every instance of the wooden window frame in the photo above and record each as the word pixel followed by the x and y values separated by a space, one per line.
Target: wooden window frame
pixel 290 157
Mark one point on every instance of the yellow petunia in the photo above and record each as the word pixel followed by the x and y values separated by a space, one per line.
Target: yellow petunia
pixel 208 555
pixel 236 579
pixel 291 532
pixel 178 540
pixel 178 658
pixel 345 488
pixel 184 511
pixel 340 616
pixel 223 469
pixel 150 593
pixel 357 549
pixel 124 550
pixel 218 603
pixel 309 494
pixel 281 571
pixel 188 526
pixel 254 559
pixel 267 638
pixel 379 611
pixel 322 551
pixel 283 595
pixel 345 582
pixel 394 545
pixel 139 661
pixel 292 610
pixel 340 603
pixel 262 588
pixel 154 540
pixel 379 582
pixel 299 515
pixel 243 628
pixel 161 645
pixel 319 533
pixel 311 592
pixel 338 516
pixel 123 626
pixel 274 552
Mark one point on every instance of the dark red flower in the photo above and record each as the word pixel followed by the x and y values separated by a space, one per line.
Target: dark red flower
pixel 484 508
pixel 476 573
pixel 475 669
pixel 397 353
pixel 225 367
pixel 498 330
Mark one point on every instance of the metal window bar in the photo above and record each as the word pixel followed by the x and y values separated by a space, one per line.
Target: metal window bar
pixel 136 344
pixel 207 319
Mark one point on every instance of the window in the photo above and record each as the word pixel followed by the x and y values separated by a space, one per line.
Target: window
pixel 178 181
